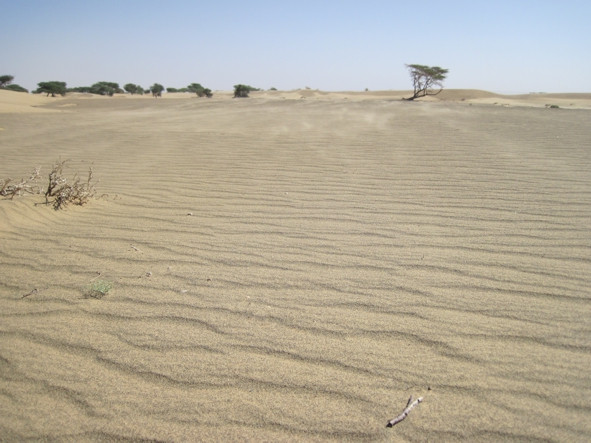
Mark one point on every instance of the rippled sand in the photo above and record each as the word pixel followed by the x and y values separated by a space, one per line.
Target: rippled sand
pixel 296 269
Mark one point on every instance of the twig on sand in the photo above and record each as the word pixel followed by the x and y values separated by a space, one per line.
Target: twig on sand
pixel 135 249
pixel 34 291
pixel 409 406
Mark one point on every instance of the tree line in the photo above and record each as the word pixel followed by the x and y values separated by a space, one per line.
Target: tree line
pixel 425 79
pixel 55 88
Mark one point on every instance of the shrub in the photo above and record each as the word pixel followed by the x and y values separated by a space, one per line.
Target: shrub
pixel 99 289
pixel 63 193
pixel 16 88
pixel 59 192
pixel 25 186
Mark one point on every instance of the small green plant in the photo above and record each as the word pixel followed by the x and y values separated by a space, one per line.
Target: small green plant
pixel 99 288
pixel 553 106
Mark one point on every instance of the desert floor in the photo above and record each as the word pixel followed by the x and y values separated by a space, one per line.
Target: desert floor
pixel 295 265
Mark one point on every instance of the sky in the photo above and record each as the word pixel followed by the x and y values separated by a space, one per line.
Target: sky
pixel 514 46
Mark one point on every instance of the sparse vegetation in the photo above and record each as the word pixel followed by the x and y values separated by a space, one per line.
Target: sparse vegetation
pixel 59 192
pixel 553 106
pixel 99 288
pixel 424 78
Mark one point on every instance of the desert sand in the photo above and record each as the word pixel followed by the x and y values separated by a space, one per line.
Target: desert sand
pixel 294 266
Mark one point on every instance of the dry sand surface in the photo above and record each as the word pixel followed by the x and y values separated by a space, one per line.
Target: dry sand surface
pixel 289 268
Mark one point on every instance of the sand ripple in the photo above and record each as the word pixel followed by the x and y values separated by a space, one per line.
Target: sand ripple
pixel 294 270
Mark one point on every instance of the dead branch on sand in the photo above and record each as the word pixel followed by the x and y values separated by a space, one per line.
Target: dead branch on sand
pixel 409 406
pixel 34 291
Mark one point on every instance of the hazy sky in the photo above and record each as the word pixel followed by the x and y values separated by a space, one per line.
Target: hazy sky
pixel 503 46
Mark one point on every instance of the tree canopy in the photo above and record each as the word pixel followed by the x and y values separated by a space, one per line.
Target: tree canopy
pixel 425 78
pixel 6 83
pixel 133 89
pixel 199 90
pixel 242 91
pixel 156 89
pixel 105 88
pixel 5 80
pixel 52 88
pixel 16 88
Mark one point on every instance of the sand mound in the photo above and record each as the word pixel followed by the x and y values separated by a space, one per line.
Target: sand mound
pixel 18 102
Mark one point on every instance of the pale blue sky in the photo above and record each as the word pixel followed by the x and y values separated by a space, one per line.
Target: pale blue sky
pixel 503 46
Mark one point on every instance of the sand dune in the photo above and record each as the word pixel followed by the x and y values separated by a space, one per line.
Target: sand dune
pixel 296 269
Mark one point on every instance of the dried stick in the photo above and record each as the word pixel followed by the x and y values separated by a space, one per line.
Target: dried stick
pixel 409 406
pixel 34 291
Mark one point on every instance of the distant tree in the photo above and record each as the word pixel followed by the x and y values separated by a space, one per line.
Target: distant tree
pixel 16 88
pixel 52 88
pixel 172 90
pixel 242 91
pixel 133 89
pixel 83 89
pixel 5 80
pixel 105 88
pixel 156 89
pixel 424 78
pixel 198 89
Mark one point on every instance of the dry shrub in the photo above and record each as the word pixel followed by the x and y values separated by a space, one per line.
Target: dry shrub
pixel 78 192
pixel 59 193
pixel 25 186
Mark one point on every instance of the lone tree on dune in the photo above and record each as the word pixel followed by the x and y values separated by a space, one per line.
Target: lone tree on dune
pixel 52 88
pixel 424 78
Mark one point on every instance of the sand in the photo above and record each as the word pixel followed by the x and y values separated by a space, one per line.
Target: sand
pixel 293 269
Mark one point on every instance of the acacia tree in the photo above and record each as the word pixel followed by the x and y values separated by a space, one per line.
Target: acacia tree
pixel 242 91
pixel 199 90
pixel 105 88
pixel 133 89
pixel 5 80
pixel 425 78
pixel 157 89
pixel 52 88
